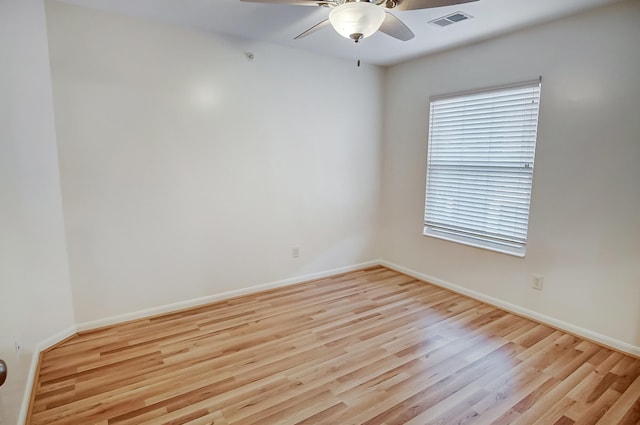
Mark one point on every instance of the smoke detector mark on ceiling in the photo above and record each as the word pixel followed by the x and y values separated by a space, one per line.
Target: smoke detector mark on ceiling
pixel 450 19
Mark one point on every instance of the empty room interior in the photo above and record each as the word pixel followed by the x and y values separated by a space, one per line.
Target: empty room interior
pixel 359 212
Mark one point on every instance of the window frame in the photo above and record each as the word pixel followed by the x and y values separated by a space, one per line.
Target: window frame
pixel 458 235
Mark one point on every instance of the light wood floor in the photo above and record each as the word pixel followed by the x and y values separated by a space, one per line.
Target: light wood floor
pixel 368 347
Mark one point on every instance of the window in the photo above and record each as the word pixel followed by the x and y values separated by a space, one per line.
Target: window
pixel 480 167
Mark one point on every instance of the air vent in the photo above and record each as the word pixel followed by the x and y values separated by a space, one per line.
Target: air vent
pixel 450 19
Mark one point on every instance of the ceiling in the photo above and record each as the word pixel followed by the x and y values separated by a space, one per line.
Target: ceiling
pixel 279 24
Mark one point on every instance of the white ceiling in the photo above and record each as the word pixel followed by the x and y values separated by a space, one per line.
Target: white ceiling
pixel 279 24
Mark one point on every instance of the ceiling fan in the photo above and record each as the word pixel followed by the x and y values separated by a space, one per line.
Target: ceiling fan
pixel 358 19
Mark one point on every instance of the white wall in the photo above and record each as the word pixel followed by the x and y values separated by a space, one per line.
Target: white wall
pixel 188 170
pixel 584 233
pixel 34 277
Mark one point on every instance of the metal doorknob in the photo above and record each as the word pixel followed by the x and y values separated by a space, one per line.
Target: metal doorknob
pixel 3 372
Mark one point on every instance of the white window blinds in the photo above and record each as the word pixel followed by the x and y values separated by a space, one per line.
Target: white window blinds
pixel 480 167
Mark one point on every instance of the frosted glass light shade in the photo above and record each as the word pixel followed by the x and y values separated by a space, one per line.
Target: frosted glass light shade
pixel 357 20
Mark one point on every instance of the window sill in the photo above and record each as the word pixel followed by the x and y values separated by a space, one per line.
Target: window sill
pixel 476 243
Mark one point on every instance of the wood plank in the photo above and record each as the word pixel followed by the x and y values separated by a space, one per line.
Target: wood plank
pixel 367 347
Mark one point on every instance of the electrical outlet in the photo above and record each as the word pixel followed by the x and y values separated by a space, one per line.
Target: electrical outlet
pixel 18 347
pixel 295 252
pixel 537 282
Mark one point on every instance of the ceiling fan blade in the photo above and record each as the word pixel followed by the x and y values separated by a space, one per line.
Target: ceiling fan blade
pixel 313 29
pixel 294 2
pixel 396 28
pixel 427 4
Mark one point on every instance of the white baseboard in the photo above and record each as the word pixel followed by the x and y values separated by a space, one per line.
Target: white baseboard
pixel 521 311
pixel 55 339
pixel 94 324
pixel 33 368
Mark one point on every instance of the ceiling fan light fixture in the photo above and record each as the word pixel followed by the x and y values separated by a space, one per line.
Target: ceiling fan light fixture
pixel 357 20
